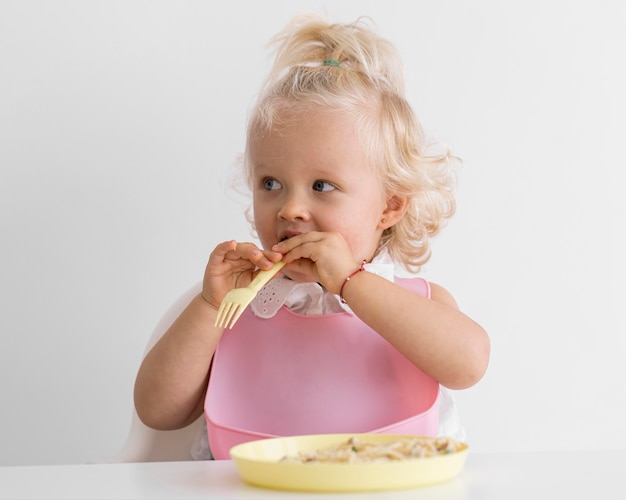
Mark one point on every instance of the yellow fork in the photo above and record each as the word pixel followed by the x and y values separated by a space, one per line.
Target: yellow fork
pixel 236 301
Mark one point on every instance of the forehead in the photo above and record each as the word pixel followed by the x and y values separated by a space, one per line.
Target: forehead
pixel 320 134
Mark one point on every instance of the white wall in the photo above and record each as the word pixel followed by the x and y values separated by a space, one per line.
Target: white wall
pixel 119 125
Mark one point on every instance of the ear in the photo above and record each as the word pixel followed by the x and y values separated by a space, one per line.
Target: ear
pixel 394 211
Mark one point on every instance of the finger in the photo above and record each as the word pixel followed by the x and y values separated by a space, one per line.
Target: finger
pixel 263 259
pixel 288 245
pixel 241 250
pixel 221 251
pixel 273 257
pixel 302 251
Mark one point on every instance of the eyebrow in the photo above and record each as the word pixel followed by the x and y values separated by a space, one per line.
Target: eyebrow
pixel 322 172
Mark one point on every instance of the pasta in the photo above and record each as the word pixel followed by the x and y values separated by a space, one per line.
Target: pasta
pixel 355 450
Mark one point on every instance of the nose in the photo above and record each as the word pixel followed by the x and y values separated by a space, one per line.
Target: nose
pixel 293 208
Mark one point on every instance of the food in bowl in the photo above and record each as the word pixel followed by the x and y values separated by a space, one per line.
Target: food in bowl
pixel 355 450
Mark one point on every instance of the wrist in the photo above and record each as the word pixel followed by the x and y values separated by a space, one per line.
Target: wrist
pixel 348 279
pixel 208 302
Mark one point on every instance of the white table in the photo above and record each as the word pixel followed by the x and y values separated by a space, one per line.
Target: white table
pixel 486 476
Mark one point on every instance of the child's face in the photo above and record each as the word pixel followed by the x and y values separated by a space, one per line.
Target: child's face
pixel 313 176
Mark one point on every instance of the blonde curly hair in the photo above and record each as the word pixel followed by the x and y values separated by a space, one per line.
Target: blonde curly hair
pixel 348 69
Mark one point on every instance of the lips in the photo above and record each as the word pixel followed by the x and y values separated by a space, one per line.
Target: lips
pixel 288 234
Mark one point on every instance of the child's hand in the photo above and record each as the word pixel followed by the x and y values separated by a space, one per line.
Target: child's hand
pixel 323 257
pixel 233 265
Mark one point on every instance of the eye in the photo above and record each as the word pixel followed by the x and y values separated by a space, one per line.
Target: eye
pixel 322 186
pixel 270 184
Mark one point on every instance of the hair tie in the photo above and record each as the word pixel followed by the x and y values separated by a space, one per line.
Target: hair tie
pixel 331 62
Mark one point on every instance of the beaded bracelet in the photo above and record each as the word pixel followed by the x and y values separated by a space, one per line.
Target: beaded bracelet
pixel 361 268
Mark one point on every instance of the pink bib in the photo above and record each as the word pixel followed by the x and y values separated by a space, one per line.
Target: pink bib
pixel 294 374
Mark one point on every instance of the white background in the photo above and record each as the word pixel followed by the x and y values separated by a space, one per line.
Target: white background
pixel 120 123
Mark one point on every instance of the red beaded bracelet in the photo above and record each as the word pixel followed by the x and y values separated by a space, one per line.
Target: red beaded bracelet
pixel 361 268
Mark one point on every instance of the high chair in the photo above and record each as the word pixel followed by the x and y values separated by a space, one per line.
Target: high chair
pixel 144 444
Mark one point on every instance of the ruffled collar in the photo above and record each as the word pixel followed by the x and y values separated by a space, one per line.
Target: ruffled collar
pixel 309 298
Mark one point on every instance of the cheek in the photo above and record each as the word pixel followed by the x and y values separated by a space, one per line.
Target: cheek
pixel 263 223
pixel 361 233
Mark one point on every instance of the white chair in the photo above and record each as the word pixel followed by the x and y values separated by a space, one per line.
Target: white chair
pixel 144 444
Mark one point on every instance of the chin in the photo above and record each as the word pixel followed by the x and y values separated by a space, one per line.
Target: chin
pixel 295 276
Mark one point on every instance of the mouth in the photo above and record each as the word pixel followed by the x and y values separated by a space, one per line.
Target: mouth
pixel 288 234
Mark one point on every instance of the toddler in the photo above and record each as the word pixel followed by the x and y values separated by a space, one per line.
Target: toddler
pixel 346 193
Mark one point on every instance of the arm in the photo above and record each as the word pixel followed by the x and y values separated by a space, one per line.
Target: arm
pixel 172 379
pixel 432 333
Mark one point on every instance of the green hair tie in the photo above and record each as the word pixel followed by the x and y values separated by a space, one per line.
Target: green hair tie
pixel 331 62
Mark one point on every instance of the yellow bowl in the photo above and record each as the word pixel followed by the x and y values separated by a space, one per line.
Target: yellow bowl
pixel 258 463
